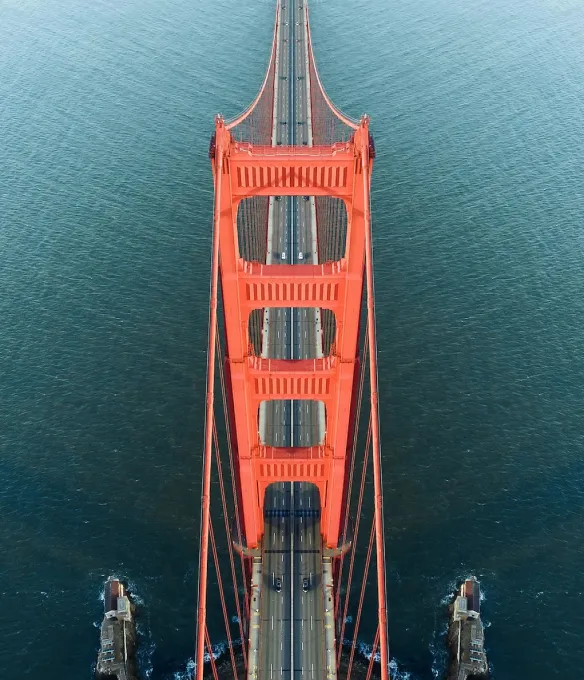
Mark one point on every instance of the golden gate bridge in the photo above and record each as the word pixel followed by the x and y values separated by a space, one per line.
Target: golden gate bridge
pixel 292 451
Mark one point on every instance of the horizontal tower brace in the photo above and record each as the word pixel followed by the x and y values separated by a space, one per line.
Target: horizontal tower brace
pixel 295 286
pixel 293 174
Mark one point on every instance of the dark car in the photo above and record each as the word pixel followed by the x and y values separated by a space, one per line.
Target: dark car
pixel 278 585
pixel 305 584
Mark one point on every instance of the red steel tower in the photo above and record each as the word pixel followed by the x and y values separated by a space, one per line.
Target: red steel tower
pixel 250 168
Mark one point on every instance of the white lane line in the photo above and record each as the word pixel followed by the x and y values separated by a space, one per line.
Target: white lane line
pixel 292 587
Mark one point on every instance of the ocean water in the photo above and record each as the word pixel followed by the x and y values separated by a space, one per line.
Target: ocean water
pixel 106 109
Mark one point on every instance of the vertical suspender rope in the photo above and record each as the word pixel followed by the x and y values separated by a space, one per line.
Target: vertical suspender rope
pixel 208 452
pixel 378 488
pixel 361 599
pixel 230 547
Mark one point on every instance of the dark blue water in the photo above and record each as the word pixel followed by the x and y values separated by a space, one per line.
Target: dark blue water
pixel 105 208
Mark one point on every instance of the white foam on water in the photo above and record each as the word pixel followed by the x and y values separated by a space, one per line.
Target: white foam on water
pixel 438 649
pixel 396 673
pixel 146 649
pixel 454 585
pixel 187 674
pixel 365 649
pixel 217 650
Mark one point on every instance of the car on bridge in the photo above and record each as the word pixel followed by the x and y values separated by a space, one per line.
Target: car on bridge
pixel 305 584
pixel 278 585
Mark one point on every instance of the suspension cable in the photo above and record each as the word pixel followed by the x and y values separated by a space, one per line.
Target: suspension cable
pixel 210 653
pixel 377 474
pixel 244 114
pixel 209 418
pixel 361 598
pixel 355 537
pixel 230 547
pixel 232 471
pixel 373 653
pixel 351 472
pixel 222 596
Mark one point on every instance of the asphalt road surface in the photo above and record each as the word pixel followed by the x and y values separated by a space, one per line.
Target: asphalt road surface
pixel 291 609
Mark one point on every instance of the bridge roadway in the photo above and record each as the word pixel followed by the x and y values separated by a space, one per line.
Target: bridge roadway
pixel 291 615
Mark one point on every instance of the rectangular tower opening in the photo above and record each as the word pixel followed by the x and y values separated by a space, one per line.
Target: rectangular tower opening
pixel 252 228
pixel 292 423
pixel 292 333
pixel 331 221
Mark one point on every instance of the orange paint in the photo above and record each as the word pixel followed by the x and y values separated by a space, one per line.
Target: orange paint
pixel 341 170
pixel 248 171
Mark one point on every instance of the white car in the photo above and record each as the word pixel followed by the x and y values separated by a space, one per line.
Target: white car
pixel 284 255
pixel 300 256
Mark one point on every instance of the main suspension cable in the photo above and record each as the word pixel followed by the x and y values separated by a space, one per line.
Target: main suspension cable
pixel 209 419
pixel 377 473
